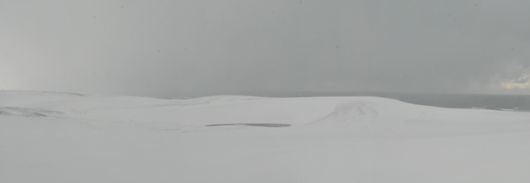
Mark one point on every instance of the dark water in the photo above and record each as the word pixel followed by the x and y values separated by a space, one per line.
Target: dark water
pixel 486 101
pixel 253 124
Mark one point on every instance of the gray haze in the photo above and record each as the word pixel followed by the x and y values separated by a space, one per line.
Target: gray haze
pixel 154 47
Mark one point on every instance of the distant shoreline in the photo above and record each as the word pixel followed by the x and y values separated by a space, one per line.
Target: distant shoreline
pixel 465 101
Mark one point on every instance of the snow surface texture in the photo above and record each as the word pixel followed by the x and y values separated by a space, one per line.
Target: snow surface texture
pixel 62 137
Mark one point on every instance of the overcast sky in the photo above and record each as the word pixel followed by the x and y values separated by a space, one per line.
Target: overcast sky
pixel 153 47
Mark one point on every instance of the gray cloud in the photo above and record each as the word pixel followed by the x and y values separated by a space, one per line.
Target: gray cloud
pixel 128 47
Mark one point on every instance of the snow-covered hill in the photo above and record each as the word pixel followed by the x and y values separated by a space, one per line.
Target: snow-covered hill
pixel 64 137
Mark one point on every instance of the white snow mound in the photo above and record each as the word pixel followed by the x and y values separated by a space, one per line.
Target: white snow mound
pixel 56 137
pixel 356 111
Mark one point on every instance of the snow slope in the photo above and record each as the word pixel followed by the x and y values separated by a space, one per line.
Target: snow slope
pixel 62 137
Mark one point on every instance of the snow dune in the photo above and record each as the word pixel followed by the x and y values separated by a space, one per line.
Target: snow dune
pixel 63 137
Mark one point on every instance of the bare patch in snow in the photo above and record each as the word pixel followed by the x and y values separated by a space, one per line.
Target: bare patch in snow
pixel 27 112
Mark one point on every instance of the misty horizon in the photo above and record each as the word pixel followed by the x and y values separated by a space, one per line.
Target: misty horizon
pixel 138 47
pixel 242 91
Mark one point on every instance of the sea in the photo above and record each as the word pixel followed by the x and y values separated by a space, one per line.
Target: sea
pixel 482 101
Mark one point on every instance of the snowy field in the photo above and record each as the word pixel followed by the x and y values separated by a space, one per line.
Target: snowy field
pixel 61 137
